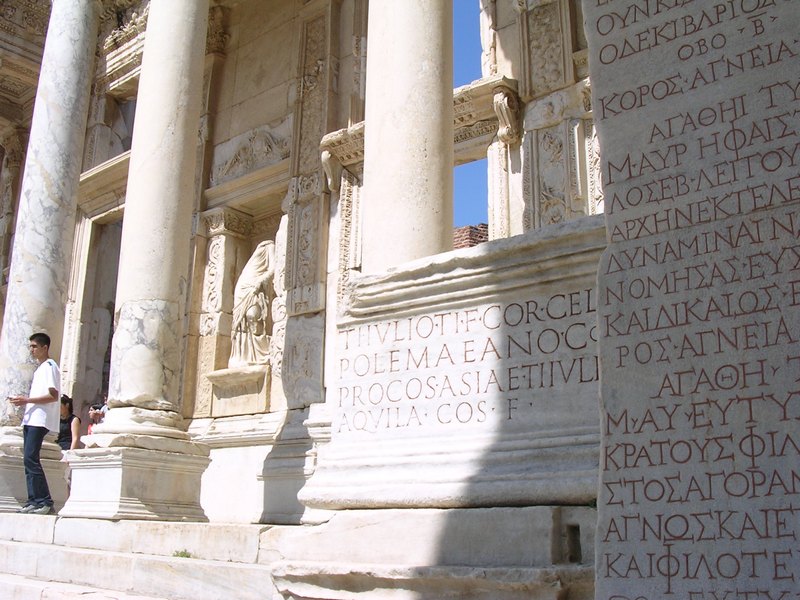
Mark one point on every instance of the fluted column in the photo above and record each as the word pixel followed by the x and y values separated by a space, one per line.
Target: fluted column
pixel 139 463
pixel 42 249
pixel 408 146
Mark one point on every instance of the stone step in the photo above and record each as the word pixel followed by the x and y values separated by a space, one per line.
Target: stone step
pixel 15 587
pixel 211 541
pixel 175 578
pixel 178 561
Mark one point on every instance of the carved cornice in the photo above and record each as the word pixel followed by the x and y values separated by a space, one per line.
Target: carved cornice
pixel 122 47
pixel 111 8
pixel 480 110
pixel 134 25
pixel 226 221
pixel 346 145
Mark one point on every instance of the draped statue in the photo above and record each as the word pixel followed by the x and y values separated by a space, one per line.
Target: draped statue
pixel 251 331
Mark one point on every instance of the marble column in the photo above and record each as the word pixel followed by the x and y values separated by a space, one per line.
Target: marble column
pixel 140 462
pixel 42 248
pixel 408 146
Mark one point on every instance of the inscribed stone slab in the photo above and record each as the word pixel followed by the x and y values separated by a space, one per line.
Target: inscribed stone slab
pixel 696 106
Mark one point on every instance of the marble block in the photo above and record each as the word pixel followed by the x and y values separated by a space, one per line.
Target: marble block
pixel 698 298
pixel 134 483
pixel 240 390
pixel 468 379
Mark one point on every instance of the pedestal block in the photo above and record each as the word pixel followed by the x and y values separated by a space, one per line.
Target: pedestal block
pixel 13 489
pixel 135 483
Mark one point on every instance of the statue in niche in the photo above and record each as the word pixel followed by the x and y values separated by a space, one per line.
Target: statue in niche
pixel 251 331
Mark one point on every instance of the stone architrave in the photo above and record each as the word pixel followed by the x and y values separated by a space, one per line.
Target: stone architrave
pixel 696 107
pixel 39 271
pixel 140 457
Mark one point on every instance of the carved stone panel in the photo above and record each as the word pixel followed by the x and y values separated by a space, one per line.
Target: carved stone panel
pixel 262 146
pixel 306 203
pixel 547 48
pixel 561 178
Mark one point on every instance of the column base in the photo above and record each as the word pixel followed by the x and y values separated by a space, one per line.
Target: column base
pixel 135 483
pixel 13 488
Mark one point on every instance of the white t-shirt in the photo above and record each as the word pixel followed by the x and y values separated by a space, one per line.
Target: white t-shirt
pixel 47 415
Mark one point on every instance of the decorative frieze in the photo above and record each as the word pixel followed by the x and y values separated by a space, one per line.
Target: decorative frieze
pixel 25 18
pixel 349 233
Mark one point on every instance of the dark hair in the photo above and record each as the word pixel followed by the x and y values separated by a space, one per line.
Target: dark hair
pixel 67 401
pixel 40 338
pixel 96 407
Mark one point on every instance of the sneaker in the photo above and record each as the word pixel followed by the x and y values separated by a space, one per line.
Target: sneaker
pixel 27 508
pixel 44 509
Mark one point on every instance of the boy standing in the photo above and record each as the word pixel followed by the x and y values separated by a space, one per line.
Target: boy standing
pixel 41 416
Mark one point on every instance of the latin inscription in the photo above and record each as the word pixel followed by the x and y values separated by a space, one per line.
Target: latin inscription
pixel 699 325
pixel 502 361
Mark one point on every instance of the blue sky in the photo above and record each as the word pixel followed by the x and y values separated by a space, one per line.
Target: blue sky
pixel 470 179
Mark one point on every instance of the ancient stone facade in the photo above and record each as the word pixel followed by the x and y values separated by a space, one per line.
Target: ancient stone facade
pixel 235 217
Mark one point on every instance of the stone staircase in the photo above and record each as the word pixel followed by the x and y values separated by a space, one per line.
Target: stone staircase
pixel 53 558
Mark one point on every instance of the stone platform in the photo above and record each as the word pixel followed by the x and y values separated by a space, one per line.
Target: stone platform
pixel 129 560
pixel 512 553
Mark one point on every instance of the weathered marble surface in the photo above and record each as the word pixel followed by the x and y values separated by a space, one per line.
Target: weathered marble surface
pixel 697 107
pixel 146 356
pixel 408 155
pixel 39 272
pixel 140 462
pixel 468 379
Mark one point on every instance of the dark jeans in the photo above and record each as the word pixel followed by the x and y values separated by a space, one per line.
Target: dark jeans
pixel 38 492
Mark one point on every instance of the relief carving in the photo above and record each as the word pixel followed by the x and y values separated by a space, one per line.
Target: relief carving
pixel 278 307
pixel 529 211
pixel 551 177
pixel 251 331
pixel 474 131
pixel 594 183
pixel 123 21
pixel 545 49
pixel 349 234
pixel 213 277
pixel 250 151
pixel 306 203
